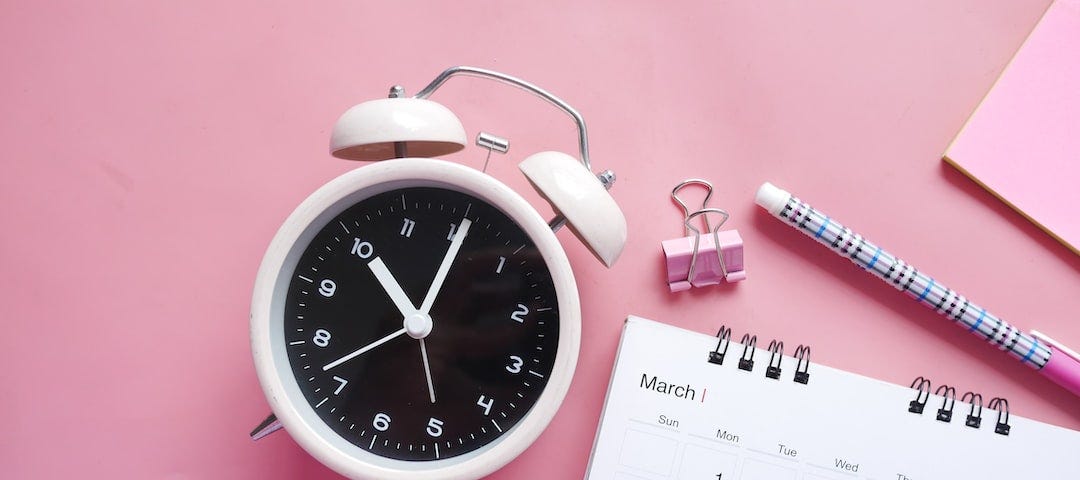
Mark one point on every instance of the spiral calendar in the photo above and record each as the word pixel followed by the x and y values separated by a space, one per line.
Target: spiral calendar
pixel 685 405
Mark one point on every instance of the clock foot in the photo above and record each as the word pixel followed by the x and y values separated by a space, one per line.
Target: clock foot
pixel 268 426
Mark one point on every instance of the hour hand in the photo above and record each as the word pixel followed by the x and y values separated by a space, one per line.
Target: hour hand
pixel 392 287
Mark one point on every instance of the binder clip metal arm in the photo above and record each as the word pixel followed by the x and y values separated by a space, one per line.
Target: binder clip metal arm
pixel 701 260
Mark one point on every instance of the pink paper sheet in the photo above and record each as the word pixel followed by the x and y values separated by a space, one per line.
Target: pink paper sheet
pixel 1023 141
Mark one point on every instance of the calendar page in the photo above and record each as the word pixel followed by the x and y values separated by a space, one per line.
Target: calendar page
pixel 670 413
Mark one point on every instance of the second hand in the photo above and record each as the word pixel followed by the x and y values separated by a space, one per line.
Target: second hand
pixel 361 351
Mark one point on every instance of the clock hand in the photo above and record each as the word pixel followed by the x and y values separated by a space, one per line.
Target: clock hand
pixel 392 287
pixel 427 370
pixel 444 268
pixel 401 300
pixel 359 352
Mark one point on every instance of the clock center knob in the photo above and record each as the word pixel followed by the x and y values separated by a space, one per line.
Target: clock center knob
pixel 418 325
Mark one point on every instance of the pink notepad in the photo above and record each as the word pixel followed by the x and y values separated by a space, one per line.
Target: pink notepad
pixel 1023 141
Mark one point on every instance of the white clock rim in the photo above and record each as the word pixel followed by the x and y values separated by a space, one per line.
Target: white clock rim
pixel 268 343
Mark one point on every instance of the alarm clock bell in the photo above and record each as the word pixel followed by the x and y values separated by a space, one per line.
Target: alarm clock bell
pixel 400 126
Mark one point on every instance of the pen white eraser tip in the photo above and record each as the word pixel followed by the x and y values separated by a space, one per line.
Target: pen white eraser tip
pixel 771 197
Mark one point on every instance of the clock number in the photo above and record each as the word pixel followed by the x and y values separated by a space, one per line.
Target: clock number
pixel 327 288
pixel 342 381
pixel 434 427
pixel 381 422
pixel 453 228
pixel 502 261
pixel 519 314
pixel 515 364
pixel 487 405
pixel 322 338
pixel 406 228
pixel 362 249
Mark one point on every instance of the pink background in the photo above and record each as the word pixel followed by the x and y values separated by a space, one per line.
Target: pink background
pixel 151 150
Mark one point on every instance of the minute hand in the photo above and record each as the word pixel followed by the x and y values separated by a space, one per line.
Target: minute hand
pixel 444 268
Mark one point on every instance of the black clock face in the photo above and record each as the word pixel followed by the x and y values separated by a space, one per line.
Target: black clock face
pixel 421 324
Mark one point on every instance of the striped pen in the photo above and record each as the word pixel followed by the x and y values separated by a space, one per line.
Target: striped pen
pixel 1054 361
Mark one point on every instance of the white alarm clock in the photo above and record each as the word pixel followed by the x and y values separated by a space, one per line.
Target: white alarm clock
pixel 416 318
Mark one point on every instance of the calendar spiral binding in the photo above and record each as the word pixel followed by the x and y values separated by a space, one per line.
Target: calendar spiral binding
pixel 922 388
pixel 921 385
pixel 776 355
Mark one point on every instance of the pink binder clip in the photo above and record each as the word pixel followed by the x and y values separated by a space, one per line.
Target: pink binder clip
pixel 694 261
